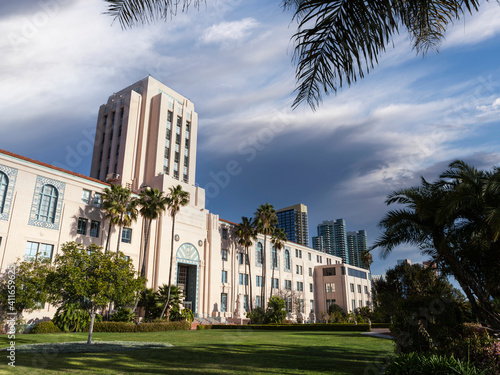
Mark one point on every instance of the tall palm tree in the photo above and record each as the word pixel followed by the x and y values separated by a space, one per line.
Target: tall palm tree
pixel 176 199
pixel 111 205
pixel 451 220
pixel 278 240
pixel 265 221
pixel 337 41
pixel 245 233
pixel 126 209
pixel 366 259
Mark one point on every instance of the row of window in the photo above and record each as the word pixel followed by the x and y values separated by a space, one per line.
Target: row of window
pixel 95 227
pixel 243 280
pixel 288 303
pixel 87 198
pixel 359 288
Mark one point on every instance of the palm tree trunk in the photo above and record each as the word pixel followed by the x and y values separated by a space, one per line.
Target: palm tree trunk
pixel 272 273
pixel 119 235
pixel 109 236
pixel 250 279
pixel 166 307
pixel 264 273
pixel 247 264
pixel 146 240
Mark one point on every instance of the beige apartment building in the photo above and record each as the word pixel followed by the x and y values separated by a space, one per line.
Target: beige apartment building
pixel 146 137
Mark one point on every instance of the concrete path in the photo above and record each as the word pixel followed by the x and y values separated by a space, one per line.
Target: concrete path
pixel 382 333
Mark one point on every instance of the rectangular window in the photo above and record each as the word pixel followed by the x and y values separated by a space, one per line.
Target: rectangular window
pixel 309 256
pixel 224 254
pixel 86 196
pixel 288 304
pixel 82 226
pixel 319 258
pixel 94 228
pixel 243 279
pixel 257 301
pixel 275 283
pixel 38 251
pixel 258 280
pixel 223 302
pixel 359 288
pixel 353 303
pixel 366 289
pixel 329 271
pixel 311 288
pixel 245 302
pixel 224 233
pixel 224 277
pixel 352 287
pixel 127 235
pixel 310 271
pixel 300 286
pixel 330 287
pixel 360 303
pixel 98 200
pixel 298 253
pixel 312 305
pixel 288 284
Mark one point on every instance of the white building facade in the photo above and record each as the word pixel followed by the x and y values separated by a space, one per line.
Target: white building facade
pixel 146 137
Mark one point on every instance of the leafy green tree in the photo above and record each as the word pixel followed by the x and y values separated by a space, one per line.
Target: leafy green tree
pixel 265 221
pixel 278 240
pixel 245 233
pixel 275 312
pixel 455 221
pixel 337 42
pixel 176 199
pixel 91 279
pixel 26 281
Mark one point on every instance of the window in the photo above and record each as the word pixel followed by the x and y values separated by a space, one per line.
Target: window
pixel 288 304
pixel 319 258
pixel 360 303
pixel 356 273
pixel 366 289
pixel 328 261
pixel 224 254
pixel 275 283
pixel 243 279
pixel 352 287
pixel 274 256
pixel 38 251
pixel 82 226
pixel 224 233
pixel 245 302
pixel 86 196
pixel 287 260
pixel 259 253
pixel 127 235
pixel 298 253
pixel 288 284
pixel 257 301
pixel 300 286
pixel 301 305
pixel 312 305
pixel 241 258
pixel 223 302
pixel 329 271
pixel 94 228
pixel 258 281
pixel 330 287
pixel 299 270
pixel 224 277
pixel 4 184
pixel 311 288
pixel 353 303
pixel 330 302
pixel 359 288
pixel 310 271
pixel 98 200
pixel 47 204
pixel 309 256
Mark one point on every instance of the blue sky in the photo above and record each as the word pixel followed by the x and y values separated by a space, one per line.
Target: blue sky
pixel 411 116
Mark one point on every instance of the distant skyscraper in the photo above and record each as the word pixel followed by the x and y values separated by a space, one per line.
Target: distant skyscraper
pixel 294 221
pixel 403 261
pixel 332 239
pixel 356 244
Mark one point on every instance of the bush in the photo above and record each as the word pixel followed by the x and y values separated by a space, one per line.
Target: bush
pixel 45 327
pixel 419 363
pixel 142 327
pixel 298 327
pixel 257 316
pixel 123 315
pixel 70 318
pixel 201 327
pixel 275 310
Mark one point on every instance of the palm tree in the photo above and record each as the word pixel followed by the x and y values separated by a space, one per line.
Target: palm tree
pixel 111 206
pixel 176 199
pixel 366 259
pixel 153 203
pixel 246 232
pixel 337 41
pixel 126 209
pixel 453 221
pixel 278 239
pixel 265 221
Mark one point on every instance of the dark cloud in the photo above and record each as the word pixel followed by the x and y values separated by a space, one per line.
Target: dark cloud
pixel 29 8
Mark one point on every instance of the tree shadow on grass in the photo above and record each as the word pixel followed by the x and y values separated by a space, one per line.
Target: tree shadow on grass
pixel 213 359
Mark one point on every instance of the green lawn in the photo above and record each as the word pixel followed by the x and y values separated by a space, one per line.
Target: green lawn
pixel 212 352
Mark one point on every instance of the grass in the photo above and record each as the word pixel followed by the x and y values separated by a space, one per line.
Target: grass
pixel 210 352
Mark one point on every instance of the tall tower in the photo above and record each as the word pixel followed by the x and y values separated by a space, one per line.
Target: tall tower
pixel 332 239
pixel 294 221
pixel 146 136
pixel 356 244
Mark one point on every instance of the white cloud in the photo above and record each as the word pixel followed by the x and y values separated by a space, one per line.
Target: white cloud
pixel 229 31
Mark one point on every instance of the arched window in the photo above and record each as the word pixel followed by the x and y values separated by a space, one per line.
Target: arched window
pixel 4 184
pixel 259 253
pixel 274 256
pixel 47 204
pixel 287 260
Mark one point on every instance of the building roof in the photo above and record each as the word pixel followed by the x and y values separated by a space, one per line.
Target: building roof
pixel 11 154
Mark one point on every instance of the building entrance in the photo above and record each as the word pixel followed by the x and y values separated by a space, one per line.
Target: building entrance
pixel 186 282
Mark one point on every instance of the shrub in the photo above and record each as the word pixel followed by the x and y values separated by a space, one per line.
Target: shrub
pixel 142 327
pixel 420 363
pixel 70 318
pixel 45 327
pixel 123 315
pixel 298 327
pixel 202 327
pixel 275 310
pixel 257 316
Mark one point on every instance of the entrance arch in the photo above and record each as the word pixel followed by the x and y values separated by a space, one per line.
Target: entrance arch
pixel 187 274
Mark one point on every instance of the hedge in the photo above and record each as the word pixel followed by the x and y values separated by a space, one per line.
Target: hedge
pixel 381 325
pixel 45 327
pixel 141 327
pixel 293 327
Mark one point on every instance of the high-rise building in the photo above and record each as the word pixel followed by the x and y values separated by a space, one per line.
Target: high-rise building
pixel 146 136
pixel 294 221
pixel 356 244
pixel 332 239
